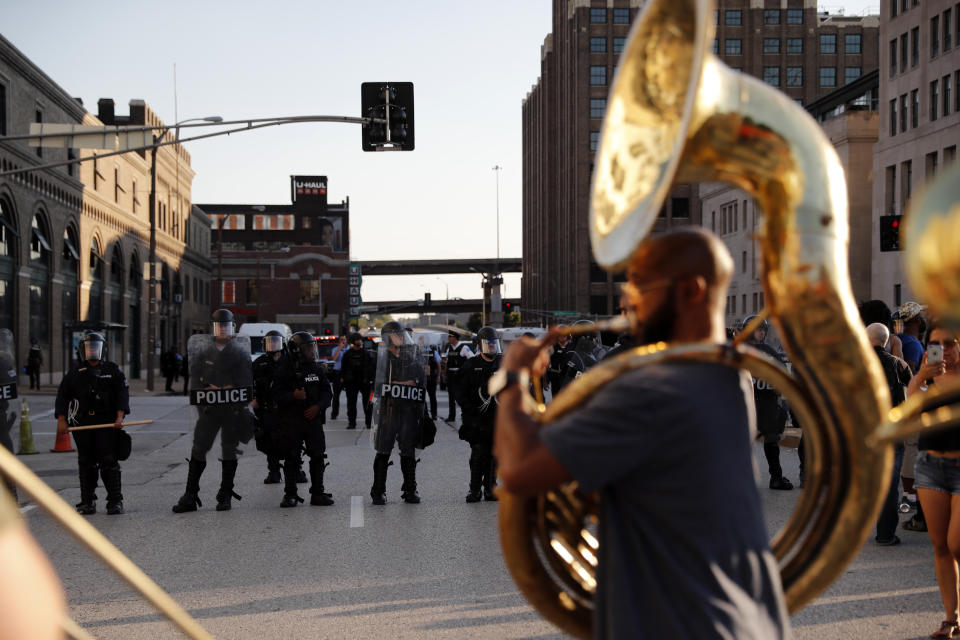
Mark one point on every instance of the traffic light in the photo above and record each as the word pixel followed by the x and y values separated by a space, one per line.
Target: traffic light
pixel 392 103
pixel 426 300
pixel 890 233
pixel 507 306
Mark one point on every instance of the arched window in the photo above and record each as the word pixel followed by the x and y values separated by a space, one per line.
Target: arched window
pixel 116 285
pixel 8 262
pixel 40 257
pixel 95 308
pixel 69 270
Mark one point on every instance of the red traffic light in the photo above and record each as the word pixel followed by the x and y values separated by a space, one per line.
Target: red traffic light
pixel 895 224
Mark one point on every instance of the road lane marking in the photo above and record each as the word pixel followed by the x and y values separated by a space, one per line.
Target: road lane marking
pixel 356 511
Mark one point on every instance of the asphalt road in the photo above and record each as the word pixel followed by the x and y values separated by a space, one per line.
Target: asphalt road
pixel 351 570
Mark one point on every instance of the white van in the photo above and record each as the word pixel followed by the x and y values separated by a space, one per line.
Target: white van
pixel 256 331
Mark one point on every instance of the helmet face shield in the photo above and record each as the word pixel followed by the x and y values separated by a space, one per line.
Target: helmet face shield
pixel 223 329
pixel 92 350
pixel 490 347
pixel 309 353
pixel 272 344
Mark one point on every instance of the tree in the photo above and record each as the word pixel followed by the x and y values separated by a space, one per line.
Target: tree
pixel 475 322
pixel 511 319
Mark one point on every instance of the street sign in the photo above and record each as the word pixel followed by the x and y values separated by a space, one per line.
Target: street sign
pixel 565 313
pixel 354 311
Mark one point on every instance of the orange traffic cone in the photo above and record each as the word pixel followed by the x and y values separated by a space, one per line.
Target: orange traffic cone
pixel 63 444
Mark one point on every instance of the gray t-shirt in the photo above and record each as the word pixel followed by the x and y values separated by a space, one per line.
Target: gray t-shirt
pixel 683 547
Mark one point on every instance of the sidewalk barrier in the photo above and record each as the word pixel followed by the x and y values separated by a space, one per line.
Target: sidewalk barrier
pixel 26 430
pixel 63 444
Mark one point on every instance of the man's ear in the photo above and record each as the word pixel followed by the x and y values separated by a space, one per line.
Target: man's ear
pixel 693 289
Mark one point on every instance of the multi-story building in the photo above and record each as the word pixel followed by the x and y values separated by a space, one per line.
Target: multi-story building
pixel 919 117
pixel 74 238
pixel 789 46
pixel 284 263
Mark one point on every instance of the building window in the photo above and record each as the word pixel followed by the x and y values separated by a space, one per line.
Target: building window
pixel 680 208
pixel 828 76
pixel 931 164
pixel 893 57
pixel 794 16
pixel 732 46
pixel 598 75
pixel 716 46
pixel 828 43
pixel 309 292
pixel 71 155
pixel 598 16
pixel 621 16
pixel 949 154
pixel 771 45
pixel 38 118
pixel 956 83
pixel 906 175
pixel 771 75
pixel 850 74
pixel 946 30
pixel 733 17
pixel 716 16
pixel 946 95
pixel 618 44
pixel 794 76
pixel 893 117
pixel 889 190
pixel 794 45
pixel 594 140
pixel 3 109
pixel 934 36
pixel 915 108
pixel 598 45
pixel 903 53
pixel 598 107
pixel 934 99
pixel 903 112
pixel 893 8
pixel 915 46
pixel 852 43
pixel 771 16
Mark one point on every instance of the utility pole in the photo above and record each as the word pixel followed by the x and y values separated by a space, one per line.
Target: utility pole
pixel 151 264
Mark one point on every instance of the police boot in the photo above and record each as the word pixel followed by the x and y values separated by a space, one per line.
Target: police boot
pixel 228 471
pixel 476 478
pixel 290 500
pixel 88 496
pixel 273 471
pixel 408 466
pixel 190 499
pixel 379 489
pixel 490 479
pixel 317 497
pixel 110 473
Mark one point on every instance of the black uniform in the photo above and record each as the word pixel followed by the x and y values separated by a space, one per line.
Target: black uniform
pixel 771 420
pixel 558 361
pixel 34 362
pixel 453 357
pixel 93 395
pixel 479 418
pixel 356 374
pixel 8 379
pixel 575 362
pixel 433 373
pixel 296 432
pixel 264 373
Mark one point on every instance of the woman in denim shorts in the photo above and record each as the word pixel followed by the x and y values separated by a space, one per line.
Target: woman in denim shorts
pixel 938 478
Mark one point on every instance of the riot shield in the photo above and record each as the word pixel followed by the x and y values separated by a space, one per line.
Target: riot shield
pixel 221 381
pixel 399 396
pixel 9 418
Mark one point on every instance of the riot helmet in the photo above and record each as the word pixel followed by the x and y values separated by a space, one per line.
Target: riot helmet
pixel 301 347
pixel 393 335
pixel 489 341
pixel 763 326
pixel 92 348
pixel 222 324
pixel 273 342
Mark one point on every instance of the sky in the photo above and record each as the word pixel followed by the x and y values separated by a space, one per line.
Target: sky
pixel 472 64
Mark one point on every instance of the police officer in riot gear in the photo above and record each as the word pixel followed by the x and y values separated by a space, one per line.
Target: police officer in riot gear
pixel 558 360
pixel 265 405
pixel 580 358
pixel 356 376
pixel 454 354
pixel 221 380
pixel 303 394
pixel 771 415
pixel 480 414
pixel 95 392
pixel 401 396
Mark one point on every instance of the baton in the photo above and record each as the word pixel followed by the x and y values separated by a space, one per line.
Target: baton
pixel 108 424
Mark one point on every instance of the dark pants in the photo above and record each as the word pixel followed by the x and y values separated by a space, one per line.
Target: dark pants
pixel 300 436
pixel 335 404
pixel 352 391
pixel 482 465
pixel 211 421
pixel 186 382
pixel 452 393
pixel 34 372
pixel 771 450
pixel 96 452
pixel 890 510
pixel 169 377
pixel 432 394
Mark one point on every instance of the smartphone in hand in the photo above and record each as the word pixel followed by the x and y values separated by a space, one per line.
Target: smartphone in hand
pixel 934 353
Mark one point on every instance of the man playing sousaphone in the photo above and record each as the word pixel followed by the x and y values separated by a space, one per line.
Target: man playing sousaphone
pixel 683 548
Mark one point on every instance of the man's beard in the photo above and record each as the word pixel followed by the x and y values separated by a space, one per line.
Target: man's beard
pixel 659 326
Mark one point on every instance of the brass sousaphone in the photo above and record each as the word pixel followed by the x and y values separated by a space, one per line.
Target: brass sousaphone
pixel 677 114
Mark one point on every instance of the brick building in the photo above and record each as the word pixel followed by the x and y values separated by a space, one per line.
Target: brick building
pixel 788 45
pixel 284 263
pixel 919 117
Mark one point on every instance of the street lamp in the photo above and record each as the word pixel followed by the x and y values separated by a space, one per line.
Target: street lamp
pixel 446 312
pixel 152 260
